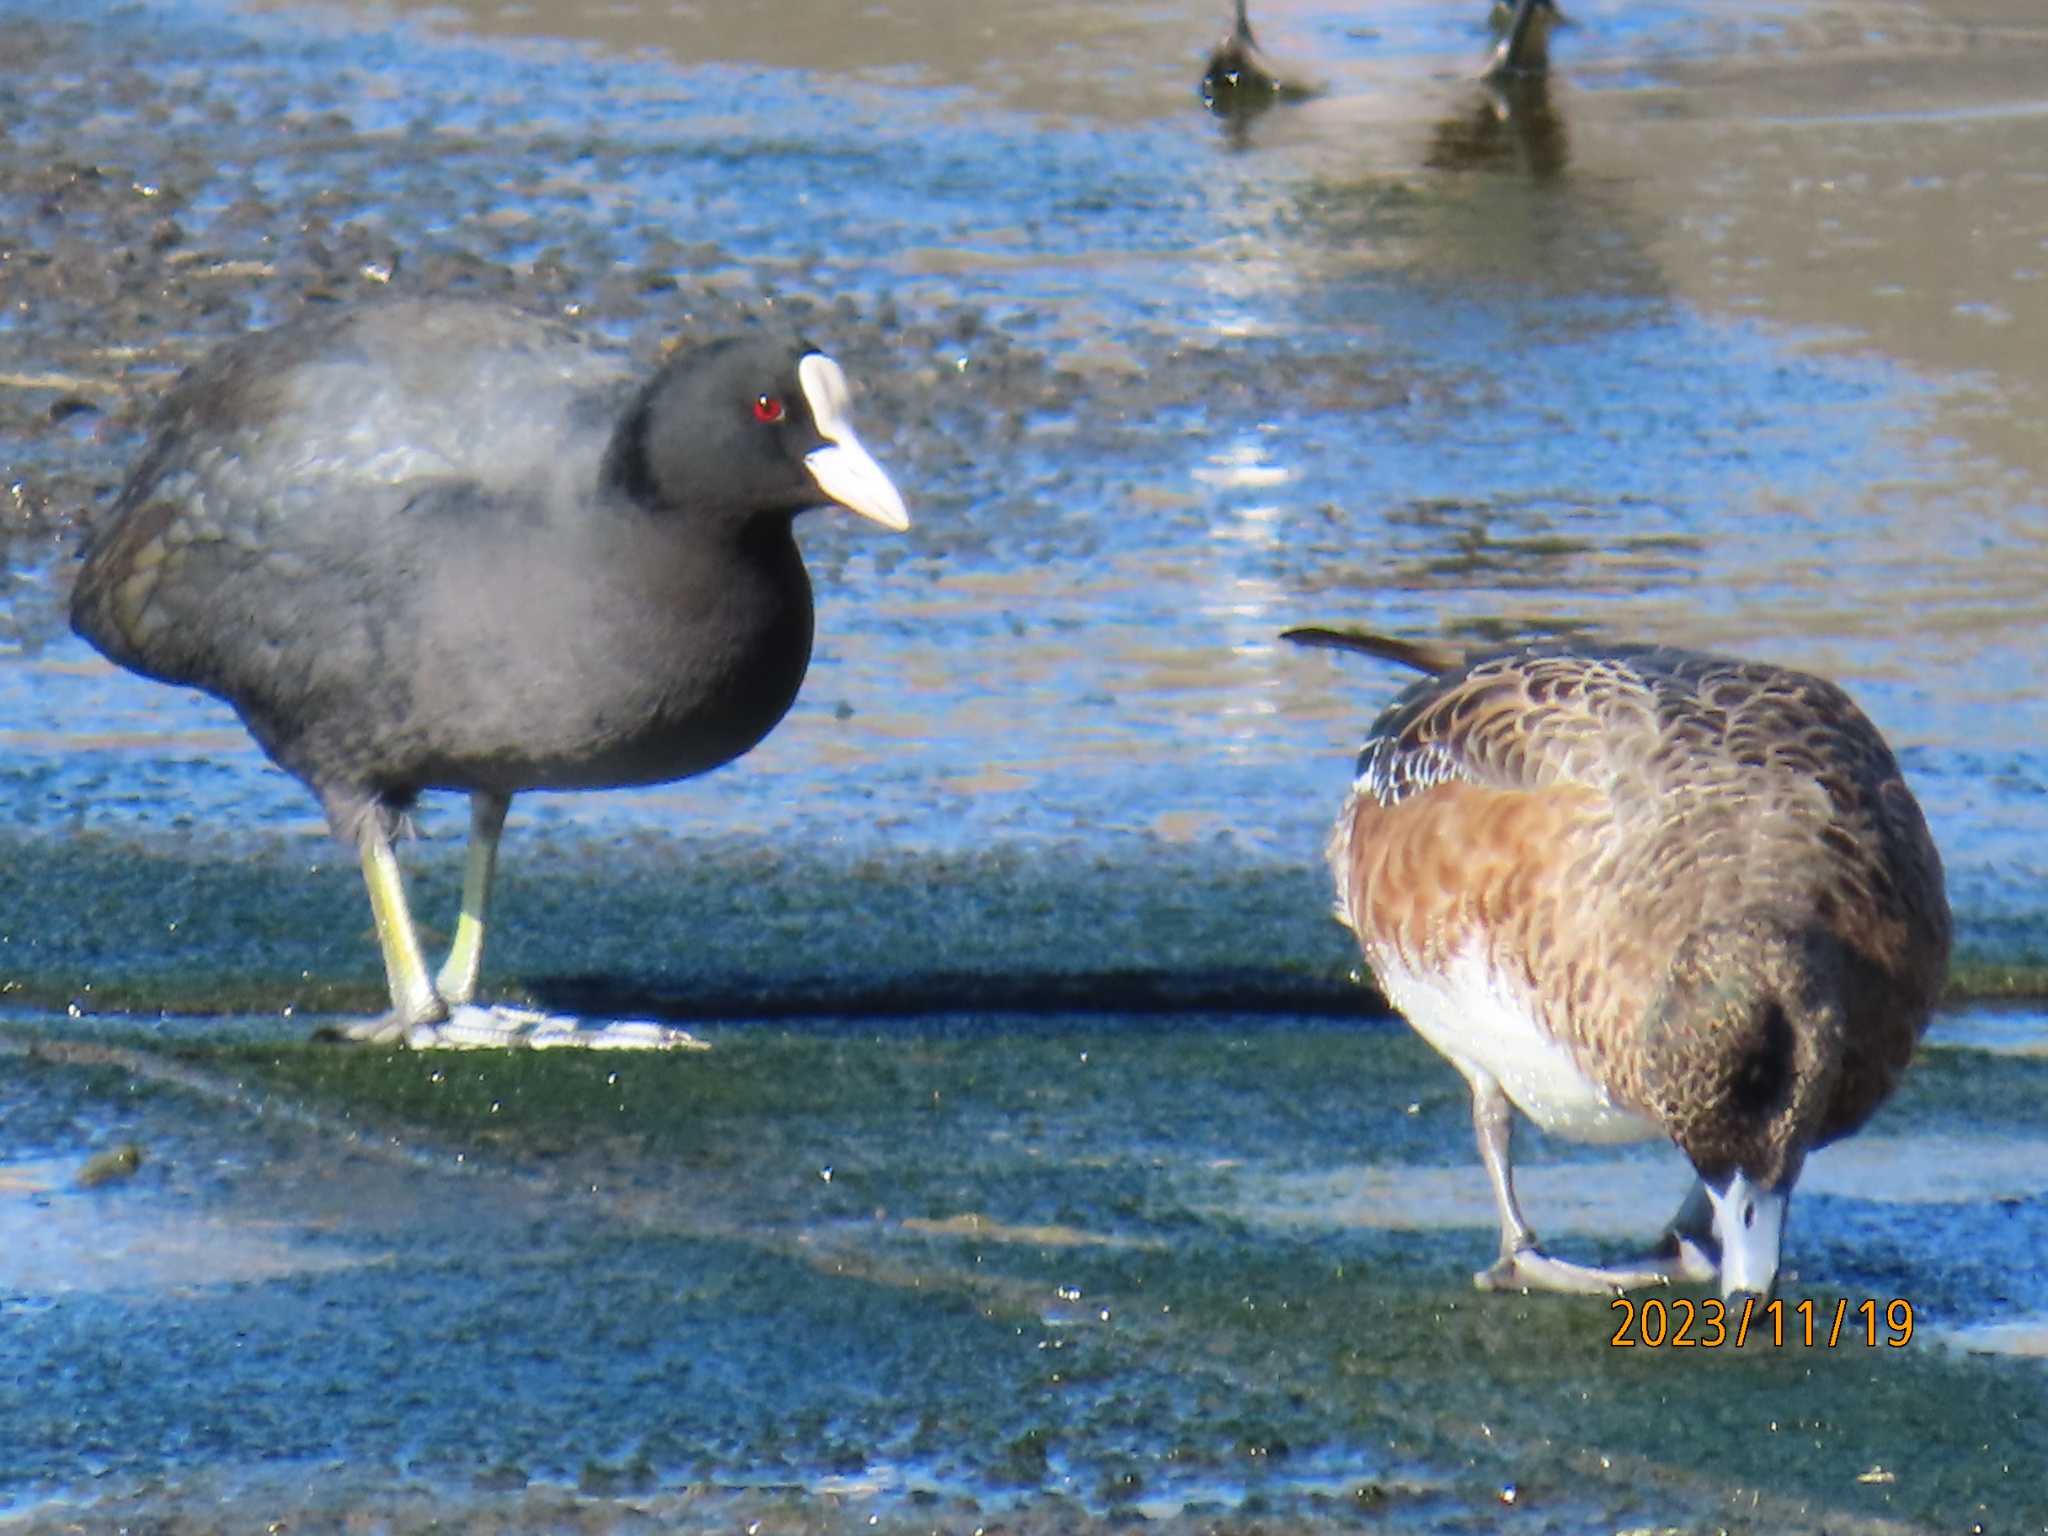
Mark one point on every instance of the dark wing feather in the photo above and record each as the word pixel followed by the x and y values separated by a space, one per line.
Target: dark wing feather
pixel 1522 719
pixel 259 475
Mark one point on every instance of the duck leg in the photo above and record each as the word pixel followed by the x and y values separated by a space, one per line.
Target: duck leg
pixel 1524 44
pixel 1523 1265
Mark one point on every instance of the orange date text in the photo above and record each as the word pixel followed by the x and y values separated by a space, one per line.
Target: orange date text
pixel 1653 1322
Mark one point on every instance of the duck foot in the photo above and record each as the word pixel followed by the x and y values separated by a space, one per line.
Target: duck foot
pixel 1531 1269
pixel 1689 1251
pixel 1686 1260
pixel 471 1027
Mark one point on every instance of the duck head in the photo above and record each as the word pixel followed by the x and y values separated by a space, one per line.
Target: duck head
pixel 1742 1052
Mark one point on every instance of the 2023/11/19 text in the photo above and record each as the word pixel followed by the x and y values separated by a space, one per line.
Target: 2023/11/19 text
pixel 1682 1323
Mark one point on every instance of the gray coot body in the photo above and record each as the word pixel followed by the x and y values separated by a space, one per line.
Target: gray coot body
pixel 436 544
pixel 1640 891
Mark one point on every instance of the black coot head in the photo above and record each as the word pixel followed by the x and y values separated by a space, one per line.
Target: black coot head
pixel 748 426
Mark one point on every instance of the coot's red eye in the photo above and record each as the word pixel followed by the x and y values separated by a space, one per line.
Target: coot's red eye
pixel 768 409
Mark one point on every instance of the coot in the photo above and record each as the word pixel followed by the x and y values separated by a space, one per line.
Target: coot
pixel 439 544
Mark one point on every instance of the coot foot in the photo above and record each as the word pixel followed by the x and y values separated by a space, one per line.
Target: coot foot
pixel 391 1028
pixel 472 1027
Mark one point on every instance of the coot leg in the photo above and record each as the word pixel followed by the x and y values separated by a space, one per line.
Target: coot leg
pixel 427 1016
pixel 414 1002
pixel 457 980
pixel 469 1025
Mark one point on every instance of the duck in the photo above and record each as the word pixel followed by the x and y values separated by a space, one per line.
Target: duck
pixel 1521 32
pixel 1638 891
pixel 1239 80
pixel 435 543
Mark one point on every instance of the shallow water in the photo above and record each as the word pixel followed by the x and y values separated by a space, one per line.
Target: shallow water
pixel 1691 373
pixel 1731 338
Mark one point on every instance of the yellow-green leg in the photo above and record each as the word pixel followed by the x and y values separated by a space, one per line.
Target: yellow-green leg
pixel 465 962
pixel 413 998
pixel 426 1013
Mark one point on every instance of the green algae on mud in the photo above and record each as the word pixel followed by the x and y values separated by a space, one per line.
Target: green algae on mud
pixel 680 928
pixel 238 171
pixel 1000 1267
pixel 698 929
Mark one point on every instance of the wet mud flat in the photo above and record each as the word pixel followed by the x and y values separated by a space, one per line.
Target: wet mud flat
pixel 973 1273
pixel 946 1266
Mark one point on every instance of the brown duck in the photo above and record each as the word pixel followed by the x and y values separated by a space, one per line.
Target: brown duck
pixel 1633 891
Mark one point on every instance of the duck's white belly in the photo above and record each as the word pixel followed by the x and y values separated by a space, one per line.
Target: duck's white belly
pixel 1479 1021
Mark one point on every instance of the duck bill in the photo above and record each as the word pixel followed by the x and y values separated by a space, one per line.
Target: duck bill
pixel 844 470
pixel 1749 1224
